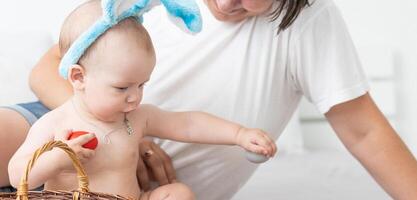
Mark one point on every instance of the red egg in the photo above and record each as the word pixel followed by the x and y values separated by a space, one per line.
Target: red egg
pixel 92 144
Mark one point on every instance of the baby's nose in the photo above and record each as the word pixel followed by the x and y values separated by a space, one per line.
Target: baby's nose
pixel 133 105
pixel 132 98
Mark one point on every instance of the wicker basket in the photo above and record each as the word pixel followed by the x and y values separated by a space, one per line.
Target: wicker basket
pixel 82 192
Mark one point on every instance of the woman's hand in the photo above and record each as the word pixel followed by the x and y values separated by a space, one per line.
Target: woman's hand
pixel 257 141
pixel 154 165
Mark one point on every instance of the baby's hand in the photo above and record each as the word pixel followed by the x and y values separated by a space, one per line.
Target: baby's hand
pixel 257 141
pixel 76 145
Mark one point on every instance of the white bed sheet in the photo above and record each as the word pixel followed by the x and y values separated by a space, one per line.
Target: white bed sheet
pixel 312 175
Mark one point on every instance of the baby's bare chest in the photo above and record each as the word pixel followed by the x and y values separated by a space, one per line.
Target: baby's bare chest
pixel 117 151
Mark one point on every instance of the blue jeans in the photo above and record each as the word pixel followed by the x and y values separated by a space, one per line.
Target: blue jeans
pixel 31 112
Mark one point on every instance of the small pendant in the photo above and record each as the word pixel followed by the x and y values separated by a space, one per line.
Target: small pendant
pixel 107 139
pixel 128 127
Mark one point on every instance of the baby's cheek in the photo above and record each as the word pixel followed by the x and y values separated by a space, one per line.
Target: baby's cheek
pixel 110 105
pixel 102 106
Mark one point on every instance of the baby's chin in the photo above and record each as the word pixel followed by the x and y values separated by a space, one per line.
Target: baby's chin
pixel 115 117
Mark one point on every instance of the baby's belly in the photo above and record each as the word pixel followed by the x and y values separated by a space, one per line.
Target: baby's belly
pixel 121 182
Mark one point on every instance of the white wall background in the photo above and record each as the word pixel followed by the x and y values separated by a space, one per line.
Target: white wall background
pixel 41 15
pixel 385 33
pixel 27 29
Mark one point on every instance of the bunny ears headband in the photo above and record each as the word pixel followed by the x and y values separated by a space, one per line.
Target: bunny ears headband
pixel 182 12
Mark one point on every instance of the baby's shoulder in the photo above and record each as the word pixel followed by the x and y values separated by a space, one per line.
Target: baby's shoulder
pixel 145 110
pixel 50 122
pixel 140 115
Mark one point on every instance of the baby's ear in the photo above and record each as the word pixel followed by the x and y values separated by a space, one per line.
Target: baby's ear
pixel 76 76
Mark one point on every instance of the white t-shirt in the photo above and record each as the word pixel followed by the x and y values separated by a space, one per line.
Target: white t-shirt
pixel 246 73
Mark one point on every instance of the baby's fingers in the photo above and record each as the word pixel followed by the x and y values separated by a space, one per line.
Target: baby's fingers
pixel 263 143
pixel 86 154
pixel 272 148
pixel 253 147
pixel 83 139
pixel 275 149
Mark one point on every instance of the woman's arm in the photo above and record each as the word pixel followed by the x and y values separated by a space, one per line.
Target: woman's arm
pixel 370 138
pixel 51 89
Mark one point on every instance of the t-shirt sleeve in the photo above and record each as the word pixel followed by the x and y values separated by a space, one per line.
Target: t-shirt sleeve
pixel 324 62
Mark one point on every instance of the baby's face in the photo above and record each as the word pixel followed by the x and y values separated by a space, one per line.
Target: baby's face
pixel 116 86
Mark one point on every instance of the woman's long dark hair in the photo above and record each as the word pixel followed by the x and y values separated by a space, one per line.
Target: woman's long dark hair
pixel 290 9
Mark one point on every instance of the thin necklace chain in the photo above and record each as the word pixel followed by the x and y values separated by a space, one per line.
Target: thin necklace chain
pixel 126 124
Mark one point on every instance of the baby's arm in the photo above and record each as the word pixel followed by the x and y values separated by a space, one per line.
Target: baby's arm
pixel 200 127
pixel 49 164
pixel 45 167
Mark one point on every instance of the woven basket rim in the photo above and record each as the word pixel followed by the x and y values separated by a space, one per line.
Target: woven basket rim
pixel 83 191
pixel 63 193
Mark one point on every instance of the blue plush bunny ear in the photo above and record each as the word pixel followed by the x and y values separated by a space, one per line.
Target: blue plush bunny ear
pixel 184 13
pixel 187 11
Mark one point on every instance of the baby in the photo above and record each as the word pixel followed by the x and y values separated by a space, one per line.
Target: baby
pixel 108 83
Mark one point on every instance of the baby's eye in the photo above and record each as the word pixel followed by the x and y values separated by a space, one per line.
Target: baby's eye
pixel 142 85
pixel 121 88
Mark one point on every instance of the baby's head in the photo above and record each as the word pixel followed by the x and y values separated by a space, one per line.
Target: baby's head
pixel 110 76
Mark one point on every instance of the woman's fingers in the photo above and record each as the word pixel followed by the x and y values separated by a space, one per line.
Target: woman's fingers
pixel 157 162
pixel 166 162
pixel 142 174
